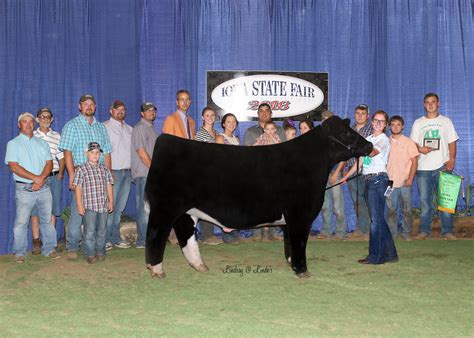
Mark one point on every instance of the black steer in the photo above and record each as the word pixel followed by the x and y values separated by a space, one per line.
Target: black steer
pixel 243 187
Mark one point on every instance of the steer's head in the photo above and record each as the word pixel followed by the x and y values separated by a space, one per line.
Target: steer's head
pixel 343 142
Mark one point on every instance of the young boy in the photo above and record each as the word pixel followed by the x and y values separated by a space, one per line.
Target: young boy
pixel 95 199
pixel 269 135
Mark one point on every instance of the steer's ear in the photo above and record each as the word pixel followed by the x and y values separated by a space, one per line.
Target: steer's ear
pixel 347 122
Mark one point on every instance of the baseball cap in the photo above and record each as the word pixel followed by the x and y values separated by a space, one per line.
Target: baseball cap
pixel 22 115
pixel 44 110
pixel 116 104
pixel 94 145
pixel 363 106
pixel 147 105
pixel 86 97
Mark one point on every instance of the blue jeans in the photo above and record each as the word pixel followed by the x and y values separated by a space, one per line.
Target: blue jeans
pixel 121 188
pixel 26 200
pixel 142 215
pixel 360 208
pixel 427 182
pixel 381 246
pixel 56 187
pixel 95 227
pixel 400 197
pixel 74 233
pixel 334 202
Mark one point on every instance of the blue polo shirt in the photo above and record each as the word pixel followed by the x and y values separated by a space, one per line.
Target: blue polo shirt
pixel 30 153
pixel 78 133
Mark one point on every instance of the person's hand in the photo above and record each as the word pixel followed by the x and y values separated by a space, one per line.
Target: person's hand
pixel 332 179
pixel 36 186
pixel 450 165
pixel 80 210
pixel 38 180
pixel 59 176
pixel 72 187
pixel 425 150
pixel 110 206
pixel 408 182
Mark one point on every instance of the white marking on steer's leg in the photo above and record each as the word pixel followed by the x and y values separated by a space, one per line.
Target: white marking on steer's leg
pixel 289 259
pixel 156 270
pixel 146 207
pixel 193 256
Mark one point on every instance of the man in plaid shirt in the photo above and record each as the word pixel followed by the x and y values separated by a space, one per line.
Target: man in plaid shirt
pixel 357 185
pixel 95 199
pixel 75 137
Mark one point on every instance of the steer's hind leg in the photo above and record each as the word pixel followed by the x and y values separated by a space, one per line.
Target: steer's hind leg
pixel 298 237
pixel 155 244
pixel 186 233
pixel 287 244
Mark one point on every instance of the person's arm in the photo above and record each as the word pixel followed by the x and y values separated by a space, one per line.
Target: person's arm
pixel 22 172
pixel 423 150
pixel 69 167
pixel 220 139
pixel 48 167
pixel 80 207
pixel 452 156
pixel 411 175
pixel 335 174
pixel 62 166
pixel 144 157
pixel 110 198
pixel 108 161
pixel 352 170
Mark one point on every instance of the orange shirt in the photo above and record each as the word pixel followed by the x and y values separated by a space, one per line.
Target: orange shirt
pixel 399 159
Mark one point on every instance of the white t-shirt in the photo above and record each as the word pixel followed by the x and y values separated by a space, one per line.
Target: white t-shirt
pixel 440 128
pixel 378 163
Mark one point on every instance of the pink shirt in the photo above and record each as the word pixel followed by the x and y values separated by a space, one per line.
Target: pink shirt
pixel 402 150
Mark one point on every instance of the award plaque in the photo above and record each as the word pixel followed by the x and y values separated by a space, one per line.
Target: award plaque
pixel 432 143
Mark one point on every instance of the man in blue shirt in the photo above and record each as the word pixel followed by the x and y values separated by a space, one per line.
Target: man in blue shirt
pixel 30 161
pixel 76 135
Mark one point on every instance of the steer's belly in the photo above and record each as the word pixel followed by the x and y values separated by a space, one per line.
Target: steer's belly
pixel 198 214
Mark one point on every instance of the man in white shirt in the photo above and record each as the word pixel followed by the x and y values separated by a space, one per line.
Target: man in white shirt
pixel 45 118
pixel 120 135
pixel 436 138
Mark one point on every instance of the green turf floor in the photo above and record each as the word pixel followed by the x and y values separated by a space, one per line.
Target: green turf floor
pixel 249 291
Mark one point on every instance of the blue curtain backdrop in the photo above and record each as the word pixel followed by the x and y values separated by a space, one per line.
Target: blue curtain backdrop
pixel 387 54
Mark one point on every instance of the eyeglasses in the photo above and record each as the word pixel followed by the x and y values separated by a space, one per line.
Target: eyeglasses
pixel 45 117
pixel 379 121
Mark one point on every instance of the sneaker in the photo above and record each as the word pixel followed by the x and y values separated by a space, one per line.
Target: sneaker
pixel 36 247
pixel 108 246
pixel 354 234
pixel 212 241
pixel 121 245
pixel 91 259
pixel 321 236
pixel 72 255
pixel 54 255
pixel 100 257
pixel 406 238
pixel 19 259
pixel 422 236
pixel 339 238
pixel 142 246
pixel 450 237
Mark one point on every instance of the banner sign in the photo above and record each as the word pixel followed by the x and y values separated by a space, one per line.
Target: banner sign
pixel 290 94
pixel 448 191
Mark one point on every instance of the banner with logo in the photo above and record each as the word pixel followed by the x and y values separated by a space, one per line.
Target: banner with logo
pixel 448 191
pixel 295 95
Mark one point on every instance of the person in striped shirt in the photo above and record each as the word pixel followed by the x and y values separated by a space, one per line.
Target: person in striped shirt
pixel 44 117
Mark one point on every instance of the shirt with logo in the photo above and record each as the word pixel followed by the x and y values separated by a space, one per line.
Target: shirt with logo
pixel 440 128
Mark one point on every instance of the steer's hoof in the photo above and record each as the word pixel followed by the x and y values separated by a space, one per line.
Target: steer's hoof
pixel 156 271
pixel 200 268
pixel 305 274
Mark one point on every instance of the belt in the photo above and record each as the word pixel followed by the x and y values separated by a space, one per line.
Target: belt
pixel 23 182
pixel 53 173
pixel 369 176
pixel 121 169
